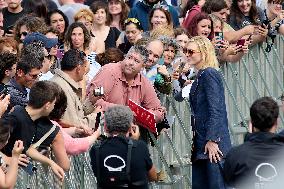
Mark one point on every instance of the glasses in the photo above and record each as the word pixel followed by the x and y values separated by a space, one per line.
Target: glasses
pixel 130 57
pixel 34 76
pixel 23 33
pixel 132 20
pixel 190 52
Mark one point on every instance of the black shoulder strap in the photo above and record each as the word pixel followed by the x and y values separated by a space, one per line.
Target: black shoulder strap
pixel 97 151
pixel 128 161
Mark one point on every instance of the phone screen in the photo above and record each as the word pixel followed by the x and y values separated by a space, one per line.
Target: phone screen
pixel 60 53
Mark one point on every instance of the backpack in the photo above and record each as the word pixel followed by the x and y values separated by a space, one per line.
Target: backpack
pixel 115 177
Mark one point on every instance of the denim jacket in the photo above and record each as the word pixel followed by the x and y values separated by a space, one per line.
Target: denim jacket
pixel 209 113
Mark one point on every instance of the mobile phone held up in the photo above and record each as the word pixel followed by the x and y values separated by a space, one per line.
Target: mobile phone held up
pixel 219 36
pixel 241 42
pixel 60 53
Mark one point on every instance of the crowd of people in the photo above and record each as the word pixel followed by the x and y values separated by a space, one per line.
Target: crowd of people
pixel 65 63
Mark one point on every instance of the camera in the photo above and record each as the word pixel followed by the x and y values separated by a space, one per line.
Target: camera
pixel 99 91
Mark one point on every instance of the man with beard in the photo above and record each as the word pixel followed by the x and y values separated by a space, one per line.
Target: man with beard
pixel 123 81
pixel 142 9
pixel 11 14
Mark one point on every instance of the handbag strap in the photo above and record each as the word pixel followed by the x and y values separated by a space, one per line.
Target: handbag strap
pixel 38 143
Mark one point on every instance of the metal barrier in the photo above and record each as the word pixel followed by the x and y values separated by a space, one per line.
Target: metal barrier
pixel 257 74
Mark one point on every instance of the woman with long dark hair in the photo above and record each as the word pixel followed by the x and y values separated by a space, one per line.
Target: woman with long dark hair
pixel 118 11
pixel 59 21
pixel 245 13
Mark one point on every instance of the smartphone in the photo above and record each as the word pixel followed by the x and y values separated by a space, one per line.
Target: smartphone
pixel 282 6
pixel 219 36
pixel 98 119
pixel 180 68
pixel 241 42
pixel 60 53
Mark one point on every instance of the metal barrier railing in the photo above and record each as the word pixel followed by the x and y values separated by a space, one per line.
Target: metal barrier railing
pixel 257 74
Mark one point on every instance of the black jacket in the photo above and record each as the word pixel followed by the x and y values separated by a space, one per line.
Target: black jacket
pixel 257 162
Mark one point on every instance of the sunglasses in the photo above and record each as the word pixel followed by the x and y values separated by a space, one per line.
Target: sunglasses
pixel 161 6
pixel 34 76
pixel 190 52
pixel 23 33
pixel 132 20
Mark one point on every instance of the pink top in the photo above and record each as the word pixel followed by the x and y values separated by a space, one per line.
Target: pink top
pixel 73 146
pixel 190 15
pixel 117 90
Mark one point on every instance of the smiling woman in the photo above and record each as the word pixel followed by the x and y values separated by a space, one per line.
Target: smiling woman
pixel 103 33
pixel 201 25
pixel 118 10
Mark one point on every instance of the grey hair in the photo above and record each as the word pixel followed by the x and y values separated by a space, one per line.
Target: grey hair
pixel 140 50
pixel 118 119
pixel 35 48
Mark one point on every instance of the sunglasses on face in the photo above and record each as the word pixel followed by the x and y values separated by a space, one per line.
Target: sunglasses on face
pixel 23 33
pixel 190 52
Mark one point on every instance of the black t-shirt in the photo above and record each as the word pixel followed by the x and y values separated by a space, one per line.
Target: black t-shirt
pixel 112 37
pixel 140 165
pixel 11 18
pixel 27 130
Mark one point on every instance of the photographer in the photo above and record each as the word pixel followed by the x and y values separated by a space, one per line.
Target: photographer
pixel 121 161
pixel 8 179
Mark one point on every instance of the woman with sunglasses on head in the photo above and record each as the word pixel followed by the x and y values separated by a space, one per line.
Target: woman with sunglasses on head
pixel 118 11
pixel 133 32
pixel 211 139
pixel 26 25
pixel 103 33
pixel 246 13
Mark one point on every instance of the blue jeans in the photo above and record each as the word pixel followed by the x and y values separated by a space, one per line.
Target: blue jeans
pixel 206 175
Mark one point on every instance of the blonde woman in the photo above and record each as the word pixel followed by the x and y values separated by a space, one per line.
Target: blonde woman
pixel 211 140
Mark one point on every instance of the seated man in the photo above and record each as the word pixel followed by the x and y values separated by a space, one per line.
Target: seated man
pixel 258 162
pixel 30 124
pixel 120 161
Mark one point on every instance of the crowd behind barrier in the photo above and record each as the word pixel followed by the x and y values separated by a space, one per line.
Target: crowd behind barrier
pixel 258 74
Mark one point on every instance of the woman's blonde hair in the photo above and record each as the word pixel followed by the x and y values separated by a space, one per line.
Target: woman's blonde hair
pixel 84 13
pixel 207 51
pixel 167 31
